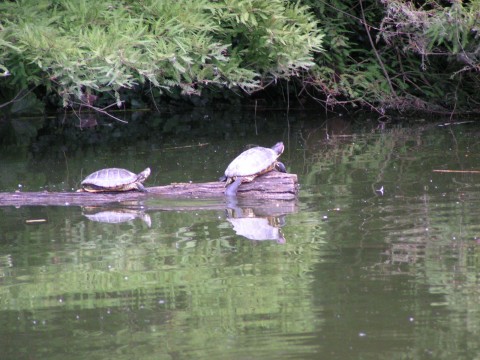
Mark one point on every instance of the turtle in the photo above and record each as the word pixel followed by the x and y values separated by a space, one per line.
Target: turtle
pixel 115 179
pixel 251 163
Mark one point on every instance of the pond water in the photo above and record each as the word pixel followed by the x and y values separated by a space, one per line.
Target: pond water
pixel 378 258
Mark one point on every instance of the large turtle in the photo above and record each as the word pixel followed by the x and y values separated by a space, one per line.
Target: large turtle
pixel 115 179
pixel 251 163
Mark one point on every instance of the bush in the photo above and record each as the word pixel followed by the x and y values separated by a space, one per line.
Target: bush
pixel 79 47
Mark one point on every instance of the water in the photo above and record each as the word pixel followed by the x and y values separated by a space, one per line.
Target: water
pixel 377 259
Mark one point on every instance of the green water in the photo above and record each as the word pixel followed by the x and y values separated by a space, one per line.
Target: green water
pixel 377 259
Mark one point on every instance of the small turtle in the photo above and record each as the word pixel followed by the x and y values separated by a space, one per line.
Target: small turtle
pixel 251 163
pixel 114 179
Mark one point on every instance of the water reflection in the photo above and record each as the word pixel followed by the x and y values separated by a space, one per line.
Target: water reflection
pixel 247 224
pixel 358 276
pixel 87 120
pixel 259 220
pixel 116 215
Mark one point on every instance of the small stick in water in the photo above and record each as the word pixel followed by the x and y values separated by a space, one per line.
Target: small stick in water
pixel 459 171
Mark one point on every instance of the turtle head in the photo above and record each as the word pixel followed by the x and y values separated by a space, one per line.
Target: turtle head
pixel 278 148
pixel 144 175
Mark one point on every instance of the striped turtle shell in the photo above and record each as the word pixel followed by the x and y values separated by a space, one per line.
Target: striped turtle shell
pixel 115 179
pixel 251 163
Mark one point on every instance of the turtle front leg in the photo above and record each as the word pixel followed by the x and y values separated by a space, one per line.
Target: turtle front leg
pixel 231 189
pixel 279 166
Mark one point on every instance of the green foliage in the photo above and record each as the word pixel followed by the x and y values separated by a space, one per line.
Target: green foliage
pixel 286 39
pixel 441 41
pixel 78 45
pixel 349 71
pixel 441 30
pixel 397 54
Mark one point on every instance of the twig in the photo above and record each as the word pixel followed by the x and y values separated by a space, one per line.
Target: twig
pixel 21 94
pixel 458 171
pixel 380 62
pixel 186 146
pixel 102 111
pixel 455 123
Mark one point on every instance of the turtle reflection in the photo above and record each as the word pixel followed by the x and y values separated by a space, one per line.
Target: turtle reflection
pixel 116 215
pixel 247 224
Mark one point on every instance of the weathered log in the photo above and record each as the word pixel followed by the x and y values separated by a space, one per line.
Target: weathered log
pixel 273 185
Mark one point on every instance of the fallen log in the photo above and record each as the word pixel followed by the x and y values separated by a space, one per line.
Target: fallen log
pixel 273 185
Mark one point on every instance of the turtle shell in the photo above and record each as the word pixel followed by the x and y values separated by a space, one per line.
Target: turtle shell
pixel 115 179
pixel 254 161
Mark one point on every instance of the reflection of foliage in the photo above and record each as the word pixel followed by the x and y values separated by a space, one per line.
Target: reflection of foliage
pixel 415 213
pixel 401 266
pixel 409 255
pixel 75 152
pixel 205 277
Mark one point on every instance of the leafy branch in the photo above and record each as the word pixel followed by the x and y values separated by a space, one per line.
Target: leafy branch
pixel 73 46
